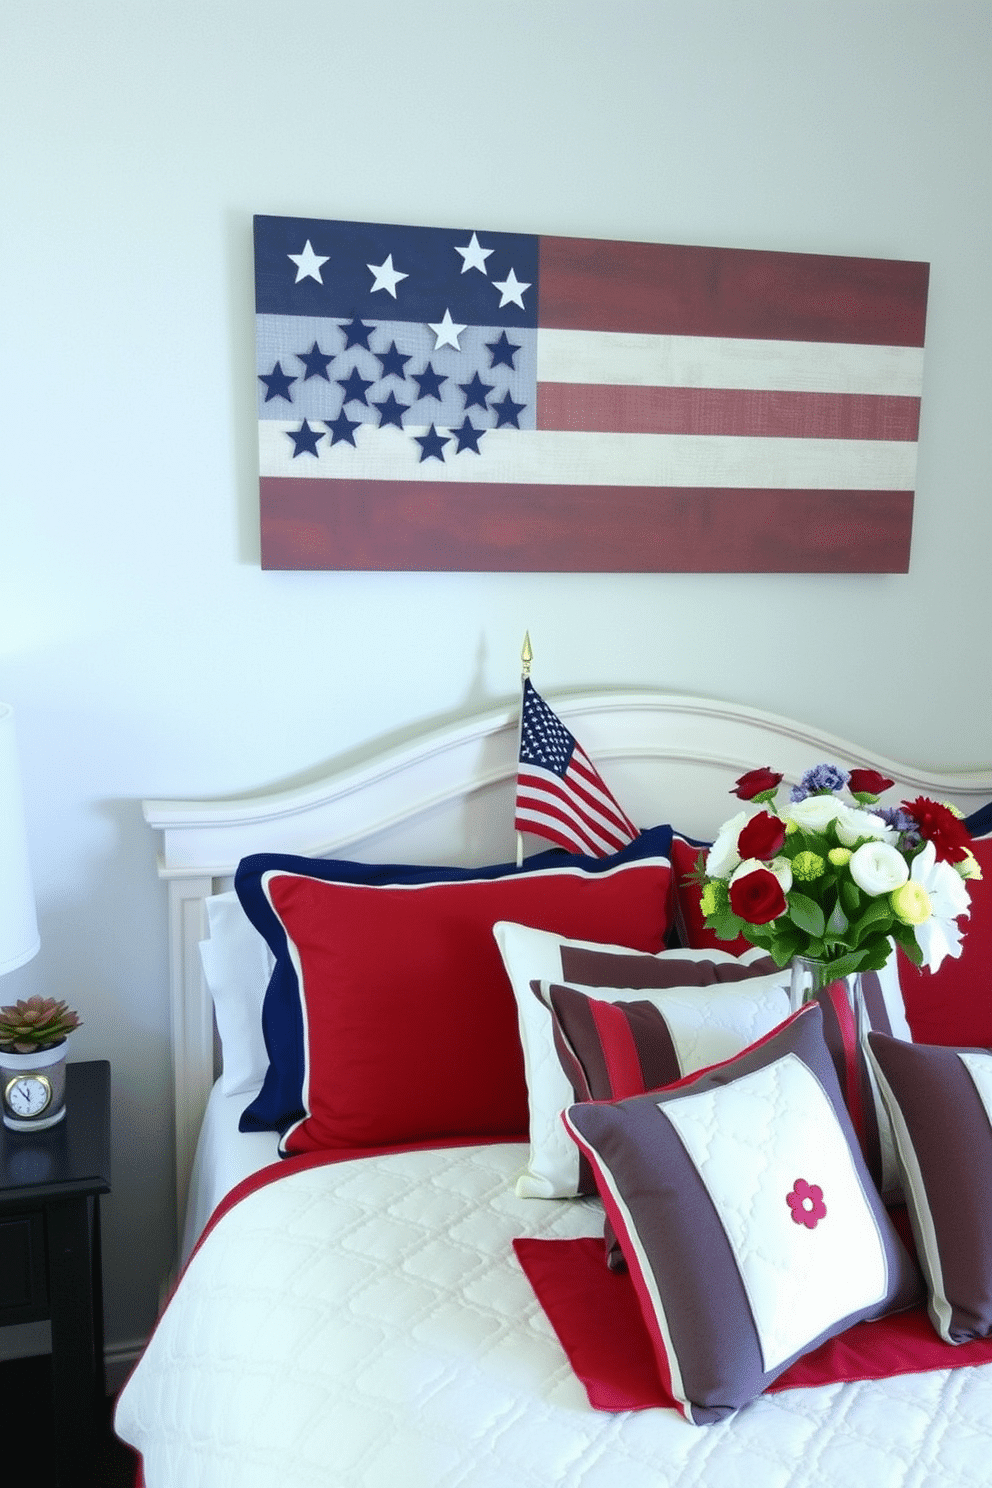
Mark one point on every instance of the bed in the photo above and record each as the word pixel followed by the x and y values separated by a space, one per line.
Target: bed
pixel 357 1303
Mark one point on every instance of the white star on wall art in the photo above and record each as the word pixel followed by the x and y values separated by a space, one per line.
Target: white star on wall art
pixel 307 264
pixel 512 291
pixel 446 331
pixel 474 255
pixel 386 277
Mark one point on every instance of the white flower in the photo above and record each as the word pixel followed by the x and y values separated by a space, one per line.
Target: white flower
pixel 853 824
pixel 878 868
pixel 939 935
pixel 813 814
pixel 780 867
pixel 723 856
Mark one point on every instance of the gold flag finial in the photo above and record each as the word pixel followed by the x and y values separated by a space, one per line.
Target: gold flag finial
pixel 526 655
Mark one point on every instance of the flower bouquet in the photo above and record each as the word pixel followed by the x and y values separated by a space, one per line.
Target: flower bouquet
pixel 828 877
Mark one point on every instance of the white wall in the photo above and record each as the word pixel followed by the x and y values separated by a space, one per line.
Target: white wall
pixel 145 652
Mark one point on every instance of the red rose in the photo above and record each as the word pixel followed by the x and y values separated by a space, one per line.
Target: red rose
pixel 868 783
pixel 756 783
pixel 762 837
pixel 939 825
pixel 757 897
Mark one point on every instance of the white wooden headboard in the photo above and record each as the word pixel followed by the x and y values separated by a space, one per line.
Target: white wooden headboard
pixel 447 797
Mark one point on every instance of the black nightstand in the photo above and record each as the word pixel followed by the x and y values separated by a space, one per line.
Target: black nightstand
pixel 50 1187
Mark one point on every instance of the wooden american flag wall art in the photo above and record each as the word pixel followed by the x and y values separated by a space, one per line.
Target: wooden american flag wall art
pixel 456 399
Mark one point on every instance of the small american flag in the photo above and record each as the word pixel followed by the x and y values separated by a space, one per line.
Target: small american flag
pixel 560 793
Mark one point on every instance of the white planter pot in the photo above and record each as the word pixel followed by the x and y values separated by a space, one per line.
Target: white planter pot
pixel 32 1088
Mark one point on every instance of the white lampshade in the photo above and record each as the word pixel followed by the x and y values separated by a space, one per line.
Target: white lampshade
pixel 18 926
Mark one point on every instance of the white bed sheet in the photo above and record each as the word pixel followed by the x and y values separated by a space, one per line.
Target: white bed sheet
pixel 224 1156
pixel 367 1325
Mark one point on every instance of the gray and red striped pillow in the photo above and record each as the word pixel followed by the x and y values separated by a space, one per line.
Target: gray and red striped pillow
pixel 940 1102
pixel 609 972
pixel 749 1222
pixel 611 1050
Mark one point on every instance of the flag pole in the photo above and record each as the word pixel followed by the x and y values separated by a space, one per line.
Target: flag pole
pixel 526 657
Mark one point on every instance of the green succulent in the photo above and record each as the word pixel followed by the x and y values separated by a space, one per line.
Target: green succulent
pixel 38 1023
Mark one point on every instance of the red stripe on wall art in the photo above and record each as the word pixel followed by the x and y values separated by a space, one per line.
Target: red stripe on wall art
pixel 660 289
pixel 597 408
pixel 460 527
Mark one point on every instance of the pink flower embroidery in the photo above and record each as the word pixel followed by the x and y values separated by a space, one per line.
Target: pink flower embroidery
pixel 806 1203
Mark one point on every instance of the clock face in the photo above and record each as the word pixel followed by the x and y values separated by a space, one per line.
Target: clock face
pixel 27 1095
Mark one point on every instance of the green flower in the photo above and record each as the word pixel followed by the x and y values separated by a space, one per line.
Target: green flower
pixel 839 856
pixel 807 866
pixel 710 900
pixel 911 903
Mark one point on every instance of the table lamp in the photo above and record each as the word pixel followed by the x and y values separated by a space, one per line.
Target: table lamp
pixel 18 925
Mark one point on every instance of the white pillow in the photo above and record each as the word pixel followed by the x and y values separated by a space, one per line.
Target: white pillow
pixel 237 965
pixel 760 1002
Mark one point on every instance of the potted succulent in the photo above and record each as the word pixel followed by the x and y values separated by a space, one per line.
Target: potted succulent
pixel 34 1035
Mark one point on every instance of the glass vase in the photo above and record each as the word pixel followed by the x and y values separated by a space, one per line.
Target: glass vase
pixel 809 976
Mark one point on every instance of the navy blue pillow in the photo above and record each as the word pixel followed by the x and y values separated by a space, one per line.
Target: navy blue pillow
pixel 979 823
pixel 280 1102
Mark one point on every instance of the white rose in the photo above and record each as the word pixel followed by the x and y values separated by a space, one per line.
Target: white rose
pixel 853 824
pixel 780 867
pixel 723 856
pixel 814 814
pixel 878 868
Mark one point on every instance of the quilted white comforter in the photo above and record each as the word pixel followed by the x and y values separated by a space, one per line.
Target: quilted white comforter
pixel 366 1325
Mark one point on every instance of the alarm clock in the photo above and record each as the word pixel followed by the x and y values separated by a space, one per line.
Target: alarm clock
pixel 28 1096
pixel 32 1090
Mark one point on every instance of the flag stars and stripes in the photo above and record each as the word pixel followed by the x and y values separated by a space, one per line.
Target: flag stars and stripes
pixel 355 387
pixel 502 352
pixel 385 276
pixel 357 333
pixel 305 440
pixel 432 445
pixel 508 412
pixel 316 362
pixel 474 255
pixel 511 290
pixel 429 382
pixel 447 331
pixel 391 411
pixel 703 409
pixel 308 264
pixel 476 392
pixel 393 362
pixel 544 738
pixel 468 437
pixel 277 384
pixel 342 429
pixel 560 794
pixel 345 277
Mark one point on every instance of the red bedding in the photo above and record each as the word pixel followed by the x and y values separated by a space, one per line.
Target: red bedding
pixel 616 1363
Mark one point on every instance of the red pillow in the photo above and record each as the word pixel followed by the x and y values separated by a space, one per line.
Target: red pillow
pixel 687 913
pixel 408 1021
pixel 953 1005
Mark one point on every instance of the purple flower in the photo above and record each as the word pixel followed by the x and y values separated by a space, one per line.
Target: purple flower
pixel 819 780
pixel 901 821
